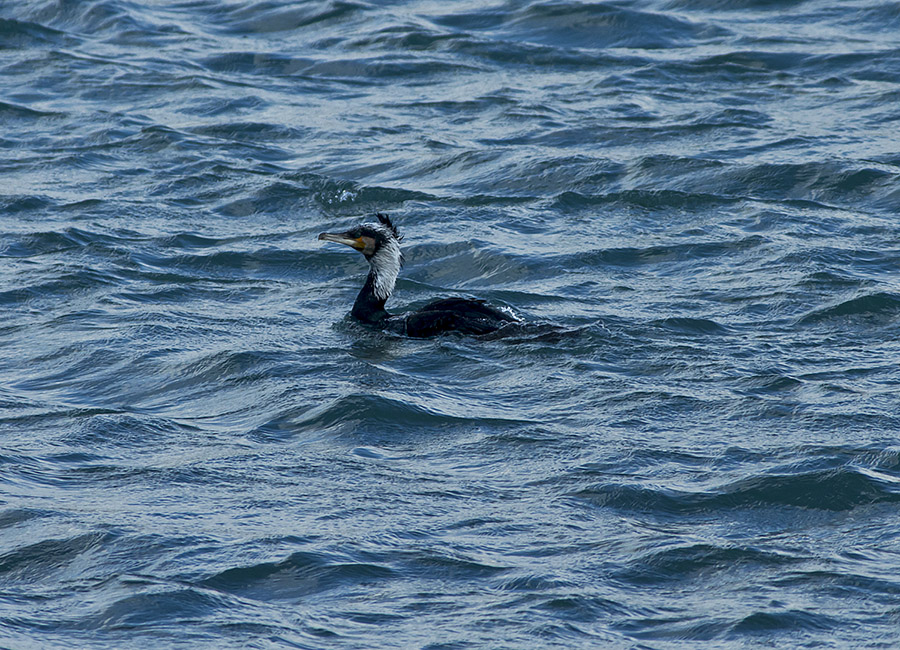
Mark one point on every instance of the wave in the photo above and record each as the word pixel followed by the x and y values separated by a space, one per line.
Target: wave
pixel 43 560
pixel 881 306
pixel 830 183
pixel 35 244
pixel 15 112
pixel 72 280
pixel 525 55
pixel 687 253
pixel 643 198
pixel 603 25
pixel 831 489
pixel 764 623
pixel 376 70
pixel 774 6
pixel 301 574
pixel 23 34
pixel 689 183
pixel 384 415
pixel 336 196
pixel 123 430
pixel 268 17
pixel 16 516
pixel 586 26
pixel 691 326
pixel 163 606
pixel 681 562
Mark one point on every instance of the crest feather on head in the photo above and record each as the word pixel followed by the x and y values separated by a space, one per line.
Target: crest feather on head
pixel 386 220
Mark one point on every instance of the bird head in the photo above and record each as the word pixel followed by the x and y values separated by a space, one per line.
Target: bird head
pixel 380 244
pixel 368 238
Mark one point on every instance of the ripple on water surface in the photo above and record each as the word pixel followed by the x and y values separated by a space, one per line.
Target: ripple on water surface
pixel 690 439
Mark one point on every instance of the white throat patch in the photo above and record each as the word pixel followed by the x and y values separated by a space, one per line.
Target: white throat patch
pixel 386 266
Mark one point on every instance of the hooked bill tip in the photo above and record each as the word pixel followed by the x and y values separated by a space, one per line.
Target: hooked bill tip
pixel 342 238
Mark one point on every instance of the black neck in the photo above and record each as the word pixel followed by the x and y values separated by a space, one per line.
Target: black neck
pixel 368 307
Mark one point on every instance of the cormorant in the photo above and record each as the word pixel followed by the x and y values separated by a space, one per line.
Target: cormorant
pixel 380 245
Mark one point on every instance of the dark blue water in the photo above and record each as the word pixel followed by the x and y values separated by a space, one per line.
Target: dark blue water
pixel 198 448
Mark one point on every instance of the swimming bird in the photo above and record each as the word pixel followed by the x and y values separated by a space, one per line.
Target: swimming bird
pixel 380 245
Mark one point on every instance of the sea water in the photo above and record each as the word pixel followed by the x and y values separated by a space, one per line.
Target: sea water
pixel 692 204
